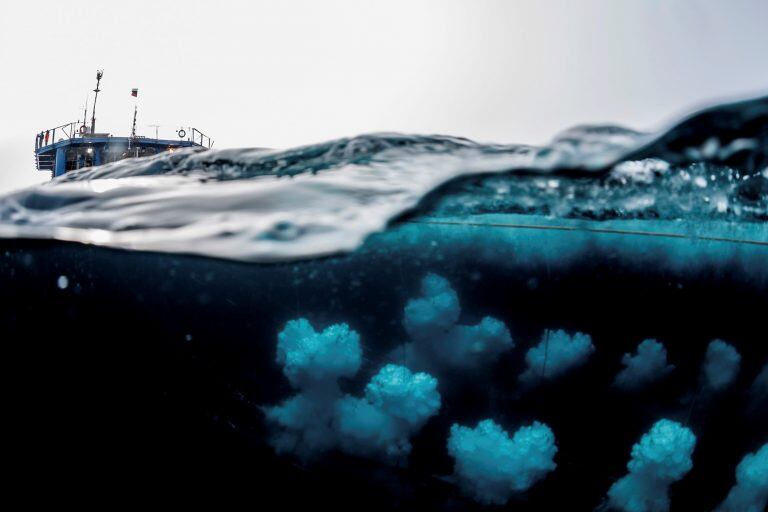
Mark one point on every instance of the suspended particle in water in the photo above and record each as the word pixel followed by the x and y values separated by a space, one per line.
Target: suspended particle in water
pixel 62 282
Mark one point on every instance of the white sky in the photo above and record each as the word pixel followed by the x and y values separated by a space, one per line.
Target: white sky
pixel 280 73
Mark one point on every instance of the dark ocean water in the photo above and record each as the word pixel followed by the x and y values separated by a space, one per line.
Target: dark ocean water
pixel 466 282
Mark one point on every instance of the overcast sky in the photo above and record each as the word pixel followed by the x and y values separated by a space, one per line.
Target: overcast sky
pixel 279 73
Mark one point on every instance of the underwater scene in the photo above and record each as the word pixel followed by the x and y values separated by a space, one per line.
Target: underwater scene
pixel 398 321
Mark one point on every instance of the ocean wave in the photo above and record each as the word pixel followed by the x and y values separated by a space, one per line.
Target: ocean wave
pixel 262 205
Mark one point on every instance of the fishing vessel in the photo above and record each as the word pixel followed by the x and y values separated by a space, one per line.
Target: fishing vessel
pixel 78 144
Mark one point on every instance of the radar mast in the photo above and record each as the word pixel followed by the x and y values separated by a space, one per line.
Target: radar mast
pixel 99 74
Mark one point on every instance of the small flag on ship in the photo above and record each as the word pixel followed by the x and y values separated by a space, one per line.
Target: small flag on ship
pixel 135 92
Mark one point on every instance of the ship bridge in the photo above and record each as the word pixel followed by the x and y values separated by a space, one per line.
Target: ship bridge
pixel 77 144
pixel 74 150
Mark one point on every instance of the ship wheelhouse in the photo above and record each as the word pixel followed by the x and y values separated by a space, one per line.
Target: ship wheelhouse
pixel 76 145
pixel 75 151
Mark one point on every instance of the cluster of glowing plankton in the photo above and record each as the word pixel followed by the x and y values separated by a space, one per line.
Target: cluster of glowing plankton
pixel 647 365
pixel 750 494
pixel 660 458
pixel 490 465
pixel 396 403
pixel 438 341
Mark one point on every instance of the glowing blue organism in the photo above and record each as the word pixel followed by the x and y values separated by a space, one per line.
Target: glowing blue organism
pixel 721 365
pixel 303 424
pixel 309 357
pixel 557 353
pixel 319 418
pixel 365 430
pixel 438 342
pixel 647 365
pixel 474 345
pixel 409 397
pixel 312 362
pixel 750 494
pixel 662 457
pixel 397 403
pixel 490 466
pixel 435 312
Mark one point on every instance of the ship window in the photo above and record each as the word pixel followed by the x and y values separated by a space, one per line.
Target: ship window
pixel 78 157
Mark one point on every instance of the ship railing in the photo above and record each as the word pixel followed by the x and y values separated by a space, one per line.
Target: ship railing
pixel 65 131
pixel 184 133
pixel 199 137
pixel 77 129
pixel 44 161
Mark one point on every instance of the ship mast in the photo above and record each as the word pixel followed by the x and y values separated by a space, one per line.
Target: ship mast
pixel 133 130
pixel 99 74
pixel 85 112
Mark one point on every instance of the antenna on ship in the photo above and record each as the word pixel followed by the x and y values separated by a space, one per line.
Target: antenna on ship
pixel 134 94
pixel 85 116
pixel 133 130
pixel 99 74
